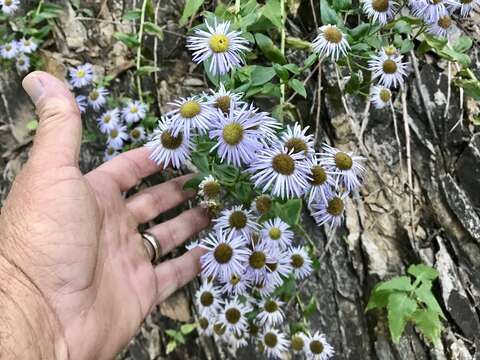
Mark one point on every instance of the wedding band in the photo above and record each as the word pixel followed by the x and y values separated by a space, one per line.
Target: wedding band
pixel 152 245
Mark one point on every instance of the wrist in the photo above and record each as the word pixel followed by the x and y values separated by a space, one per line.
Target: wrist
pixel 29 328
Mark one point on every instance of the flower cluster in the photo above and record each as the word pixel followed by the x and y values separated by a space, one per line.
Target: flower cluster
pixel 20 51
pixel 119 124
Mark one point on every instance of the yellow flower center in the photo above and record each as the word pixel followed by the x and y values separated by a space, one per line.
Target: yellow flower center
pixel 171 142
pixel 275 233
pixel 106 119
pixel 206 299
pixel 8 2
pixel 343 161
pixel 135 133
pixel 297 145
pixel 218 43
pixel 270 339
pixel 253 330
pixel 203 323
pixel 297 261
pixel 283 164
pixel 263 204
pixel 133 110
pixel 319 176
pixel 332 34
pixel 93 95
pixel 335 206
pixel 223 103
pixel 110 151
pixel 237 220
pixel 234 279
pixel 465 1
pixel 316 347
pixel 257 260
pixel 26 42
pixel 390 50
pixel 223 253
pixel 190 109
pixel 380 5
pixel 297 343
pixel 113 133
pixel 80 74
pixel 436 1
pixel 233 315
pixel 211 189
pixel 389 66
pixel 444 22
pixel 8 47
pixel 385 95
pixel 21 62
pixel 233 133
pixel 270 306
pixel 219 329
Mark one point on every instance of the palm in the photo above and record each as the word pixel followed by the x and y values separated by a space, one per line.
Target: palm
pixel 90 262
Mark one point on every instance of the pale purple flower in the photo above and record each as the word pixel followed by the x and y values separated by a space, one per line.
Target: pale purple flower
pixel 110 153
pixel 300 262
pixel 221 48
pixel 234 315
pixel 208 299
pixel 190 113
pixel 388 68
pixel 222 99
pixel 108 120
pixel 317 347
pixel 277 233
pixel 330 41
pixel 381 10
pixel 239 221
pixel 137 134
pixel 280 267
pixel 271 313
pixel 467 6
pixel 81 76
pixel 275 343
pixel 257 262
pixel 238 284
pixel 22 63
pixel 296 138
pixel 9 6
pixel 330 212
pixel 81 101
pixel 134 111
pixel 441 26
pixel 27 46
pixel 117 135
pixel 380 96
pixel 432 10
pixel 321 181
pixel 9 50
pixel 97 98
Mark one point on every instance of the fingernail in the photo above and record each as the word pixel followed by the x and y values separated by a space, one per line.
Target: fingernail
pixel 33 87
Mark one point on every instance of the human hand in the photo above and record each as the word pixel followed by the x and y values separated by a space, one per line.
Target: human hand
pixel 75 278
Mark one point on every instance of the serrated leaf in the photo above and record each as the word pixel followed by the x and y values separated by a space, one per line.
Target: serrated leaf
pixel 423 272
pixel 400 308
pixel 429 324
pixel 187 328
pixel 298 87
pixel 190 9
pixel 425 295
pixel 402 283
pixel 170 347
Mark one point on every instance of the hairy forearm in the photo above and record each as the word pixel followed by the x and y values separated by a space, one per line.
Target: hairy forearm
pixel 28 328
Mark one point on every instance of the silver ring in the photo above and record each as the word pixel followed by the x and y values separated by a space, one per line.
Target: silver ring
pixel 152 245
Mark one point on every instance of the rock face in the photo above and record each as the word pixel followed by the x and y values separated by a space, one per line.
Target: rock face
pixel 396 220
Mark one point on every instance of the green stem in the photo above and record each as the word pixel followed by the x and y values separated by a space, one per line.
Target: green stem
pixel 139 49
pixel 282 49
pixel 237 6
pixel 39 7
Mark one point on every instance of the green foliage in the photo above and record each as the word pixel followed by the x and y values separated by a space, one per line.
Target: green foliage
pixel 410 302
pixel 178 337
pixel 191 8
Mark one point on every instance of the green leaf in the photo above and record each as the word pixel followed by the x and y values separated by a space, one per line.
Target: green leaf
pixel 328 15
pixel 271 11
pixel 132 14
pixel 32 125
pixel 270 51
pixel 312 59
pixel 359 31
pixel 200 161
pixel 378 300
pixel 402 283
pixel 310 308
pixel 429 324
pixel 293 68
pixel 261 74
pixel 406 46
pixel 190 9
pixel 400 308
pixel 128 39
pixel 192 184
pixel 471 87
pixel 171 346
pixel 187 328
pixel 153 29
pixel 297 43
pixel 147 70
pixel 425 295
pixel 289 211
pixel 402 27
pixel 423 272
pixel 355 82
pixel 298 87
pixel 342 4
pixel 463 44
pixel 281 71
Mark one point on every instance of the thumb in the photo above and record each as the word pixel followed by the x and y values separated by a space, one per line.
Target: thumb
pixel 58 138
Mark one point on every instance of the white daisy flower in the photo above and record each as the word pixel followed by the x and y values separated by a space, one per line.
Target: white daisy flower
pixel 381 10
pixel 209 187
pixel 81 76
pixel 321 181
pixel 300 262
pixel 108 120
pixel 205 325
pixel 257 262
pixel 317 347
pixel 271 313
pixel 219 46
pixel 238 221
pixel 297 342
pixel 347 167
pixel 380 96
pixel 275 343
pixel 190 113
pixel 297 139
pixel 237 136
pixel 192 245
pixel 97 98
pixel 169 149
pixel 234 315
pixel 237 284
pixel 237 341
pixel 262 204
pixel 81 102
pixel 441 27
pixel 279 268
pixel 264 287
pixel 27 46
pixel 330 212
pixel 137 134
pixel 222 99
pixel 220 333
pixel 9 50
pixel 208 299
pixel 330 42
pixel 267 125
pixel 280 170
pixel 226 255
pixel 134 111
pixel 388 67
pixel 277 233
pixel 23 63
pixel 9 6
pixel 110 153
pixel 117 136
pixel 467 6
pixel 432 10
